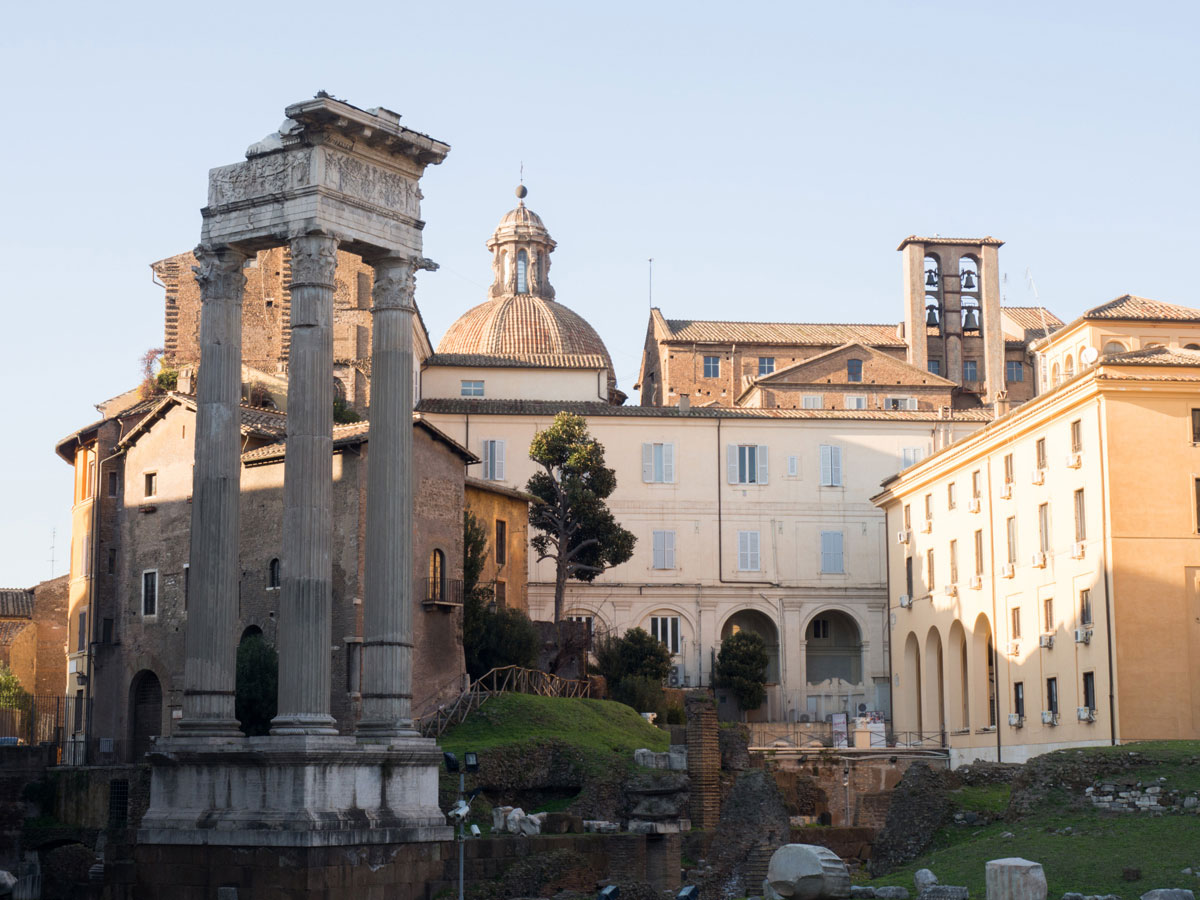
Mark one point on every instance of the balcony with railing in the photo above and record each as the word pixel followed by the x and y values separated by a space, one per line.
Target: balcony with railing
pixel 443 593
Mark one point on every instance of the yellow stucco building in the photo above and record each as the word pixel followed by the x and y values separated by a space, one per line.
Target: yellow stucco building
pixel 1044 572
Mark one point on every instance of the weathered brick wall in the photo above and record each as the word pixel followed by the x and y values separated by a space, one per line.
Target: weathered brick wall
pixel 871 782
pixel 704 759
pixel 50 616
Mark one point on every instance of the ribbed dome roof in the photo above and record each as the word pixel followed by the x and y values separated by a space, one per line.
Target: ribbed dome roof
pixel 526 327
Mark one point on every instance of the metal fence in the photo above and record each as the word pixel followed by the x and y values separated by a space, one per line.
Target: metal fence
pixel 818 735
pixel 40 718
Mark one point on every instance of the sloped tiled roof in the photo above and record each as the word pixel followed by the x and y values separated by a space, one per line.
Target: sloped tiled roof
pixel 268 423
pixel 925 377
pixel 10 630
pixel 356 433
pixel 1153 356
pixel 988 241
pixel 523 327
pixel 819 334
pixel 16 603
pixel 1130 306
pixel 1033 319
pixel 541 361
pixel 549 408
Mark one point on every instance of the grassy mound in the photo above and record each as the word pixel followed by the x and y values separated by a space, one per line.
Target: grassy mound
pixel 1081 848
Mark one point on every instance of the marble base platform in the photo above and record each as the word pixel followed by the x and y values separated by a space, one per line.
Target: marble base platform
pixel 293 791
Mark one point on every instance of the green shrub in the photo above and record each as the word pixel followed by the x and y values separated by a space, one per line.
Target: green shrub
pixel 343 412
pixel 257 691
pixel 634 665
pixel 675 715
pixel 742 668
pixel 495 638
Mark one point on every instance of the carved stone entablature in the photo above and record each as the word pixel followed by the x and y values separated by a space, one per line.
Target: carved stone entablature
pixel 220 273
pixel 359 179
pixel 261 176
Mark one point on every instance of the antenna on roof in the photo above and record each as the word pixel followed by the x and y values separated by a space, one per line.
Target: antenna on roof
pixel 650 282
pixel 1041 309
pixel 53 537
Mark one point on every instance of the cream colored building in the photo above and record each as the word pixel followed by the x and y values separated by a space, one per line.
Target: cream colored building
pixel 1044 573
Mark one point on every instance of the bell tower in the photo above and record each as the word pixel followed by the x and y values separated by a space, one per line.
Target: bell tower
pixel 521 248
pixel 952 311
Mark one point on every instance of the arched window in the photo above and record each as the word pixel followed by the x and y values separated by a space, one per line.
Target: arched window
pixel 854 370
pixel 1114 347
pixel 436 589
pixel 273 573
pixel 1070 367
pixel 1056 374
pixel 1191 346
pixel 522 272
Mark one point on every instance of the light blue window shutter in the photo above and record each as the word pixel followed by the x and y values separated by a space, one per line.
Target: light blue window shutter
pixel 831 551
pixel 668 455
pixel 762 464
pixel 669 549
pixel 754 563
pixel 835 465
pixel 486 458
pixel 498 459
pixel 731 463
pixel 826 464
pixel 647 462
pixel 659 551
pixel 743 550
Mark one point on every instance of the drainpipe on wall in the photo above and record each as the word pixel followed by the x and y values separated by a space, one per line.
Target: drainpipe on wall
pixel 1107 581
pixel 995 623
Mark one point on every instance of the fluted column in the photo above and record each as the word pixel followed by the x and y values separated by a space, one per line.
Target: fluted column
pixel 388 600
pixel 307 560
pixel 210 668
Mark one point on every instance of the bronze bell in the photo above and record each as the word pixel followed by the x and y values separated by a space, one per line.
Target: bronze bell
pixel 968 280
pixel 931 278
pixel 971 320
pixel 931 316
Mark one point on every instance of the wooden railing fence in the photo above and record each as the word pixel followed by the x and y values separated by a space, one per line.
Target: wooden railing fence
pixel 506 679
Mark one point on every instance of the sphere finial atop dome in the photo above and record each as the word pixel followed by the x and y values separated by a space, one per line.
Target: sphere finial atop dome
pixel 522 192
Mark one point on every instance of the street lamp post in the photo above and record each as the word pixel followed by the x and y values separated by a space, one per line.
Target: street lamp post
pixel 461 808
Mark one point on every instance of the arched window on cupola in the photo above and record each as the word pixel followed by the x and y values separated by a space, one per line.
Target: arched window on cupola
pixel 522 272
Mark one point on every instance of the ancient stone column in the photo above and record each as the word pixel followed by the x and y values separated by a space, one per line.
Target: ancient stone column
pixel 210 668
pixel 307 560
pixel 388 600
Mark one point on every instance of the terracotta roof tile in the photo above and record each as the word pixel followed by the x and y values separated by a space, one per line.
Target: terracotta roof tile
pixel 1130 306
pixel 820 334
pixel 1153 356
pixel 988 241
pixel 1032 318
pixel 523 327
pixel 16 603
pixel 10 630
pixel 540 361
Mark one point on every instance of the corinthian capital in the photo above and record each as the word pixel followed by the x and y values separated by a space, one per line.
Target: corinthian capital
pixel 395 280
pixel 219 272
pixel 314 259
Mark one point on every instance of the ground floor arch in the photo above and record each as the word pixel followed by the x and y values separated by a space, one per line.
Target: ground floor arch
pixel 908 704
pixel 934 703
pixel 145 712
pixel 958 684
pixel 757 622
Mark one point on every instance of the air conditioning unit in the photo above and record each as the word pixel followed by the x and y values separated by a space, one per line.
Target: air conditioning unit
pixel 1008 570
pixel 1006 491
pixel 1049 718
pixel 1083 635
pixel 927 526
pixel 1078 550
pixel 1085 714
pixel 903 536
pixel 1039 476
pixel 976 582
pixel 1038 561
pixel 952 590
pixel 1074 460
pixel 675 679
pixel 1046 641
pixel 1014 648
pixel 1016 720
pixel 905 601
pixel 973 505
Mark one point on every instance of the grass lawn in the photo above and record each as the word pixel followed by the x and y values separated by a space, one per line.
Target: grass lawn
pixel 1091 858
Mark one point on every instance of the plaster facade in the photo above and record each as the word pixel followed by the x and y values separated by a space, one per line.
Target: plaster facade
pixel 504 513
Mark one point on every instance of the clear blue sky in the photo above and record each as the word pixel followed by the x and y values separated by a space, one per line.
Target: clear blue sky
pixel 769 157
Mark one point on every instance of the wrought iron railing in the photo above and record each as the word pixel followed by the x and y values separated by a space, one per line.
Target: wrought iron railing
pixel 442 590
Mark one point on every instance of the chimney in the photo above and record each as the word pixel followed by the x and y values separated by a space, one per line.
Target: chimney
pixel 1002 405
pixel 685 403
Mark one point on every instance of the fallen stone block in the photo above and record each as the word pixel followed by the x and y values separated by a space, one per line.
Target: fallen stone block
pixel 512 820
pixel 500 818
pixel 529 825
pixel 923 878
pixel 599 826
pixel 562 823
pixel 858 892
pixel 1168 894
pixel 892 892
pixel 944 892
pixel 1014 878
pixel 807 872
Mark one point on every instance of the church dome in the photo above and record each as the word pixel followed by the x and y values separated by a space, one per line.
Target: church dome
pixel 522 324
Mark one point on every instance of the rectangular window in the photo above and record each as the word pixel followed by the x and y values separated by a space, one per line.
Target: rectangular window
pixel 712 367
pixel 929 580
pixel 1196 426
pixel 1048 615
pixel 1010 528
pixel 820 629
pixel 900 403
pixel 151 484
pixel 1080 517
pixel 813 401
pixel 666 629
pixel 1052 695
pixel 114 484
pixel 1044 527
pixel 472 389
pixel 951 495
pixel 746 463
pixel 150 592
pixel 500 592
pixel 766 365
pixel 748 551
pixel 907 517
pixel 831 466
pixel 1008 468
pixel 1041 453
pixel 501 542
pixel 793 467
pixel 1019 698
pixel 658 463
pixel 954 562
pixel 81 639
pixel 935 367
pixel 976 484
pixel 1198 504
pixel 831 553
pixel 928 507
pixel 910 456
pixel 663 543
pixel 854 370
pixel 493 460
pixel 1016 623
pixel 856 401
pixel 1085 607
pixel 1077 435
pixel 1089 690
pixel 979 552
pixel 970 370
pixel 79 710
pixel 111 568
pixel 908 575
pixel 1014 370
